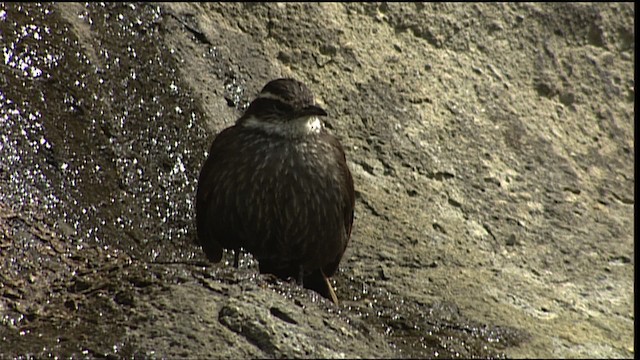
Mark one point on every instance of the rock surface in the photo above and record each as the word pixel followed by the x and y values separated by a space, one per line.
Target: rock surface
pixel 492 149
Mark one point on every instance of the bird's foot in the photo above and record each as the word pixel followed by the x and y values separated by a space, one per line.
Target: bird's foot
pixel 236 258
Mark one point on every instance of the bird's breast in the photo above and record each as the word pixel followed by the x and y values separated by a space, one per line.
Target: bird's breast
pixel 287 196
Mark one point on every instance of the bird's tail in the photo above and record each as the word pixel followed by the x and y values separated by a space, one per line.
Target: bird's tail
pixel 316 280
pixel 319 283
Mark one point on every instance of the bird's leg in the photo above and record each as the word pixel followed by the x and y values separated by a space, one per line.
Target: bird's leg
pixel 300 276
pixel 236 258
pixel 332 293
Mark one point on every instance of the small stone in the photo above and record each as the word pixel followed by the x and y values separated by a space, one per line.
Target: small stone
pixel 383 273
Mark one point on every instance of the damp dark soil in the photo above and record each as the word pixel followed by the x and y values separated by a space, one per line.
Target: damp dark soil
pixel 491 145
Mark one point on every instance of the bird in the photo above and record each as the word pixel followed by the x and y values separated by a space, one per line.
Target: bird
pixel 277 184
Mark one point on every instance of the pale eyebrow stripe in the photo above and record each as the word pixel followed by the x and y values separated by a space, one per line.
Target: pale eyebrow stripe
pixel 268 95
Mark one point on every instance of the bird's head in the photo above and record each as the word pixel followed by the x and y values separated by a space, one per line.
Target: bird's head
pixel 284 107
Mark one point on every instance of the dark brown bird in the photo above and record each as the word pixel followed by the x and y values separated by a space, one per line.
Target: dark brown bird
pixel 277 184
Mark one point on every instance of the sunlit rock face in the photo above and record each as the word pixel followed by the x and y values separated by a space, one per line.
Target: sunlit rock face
pixel 491 147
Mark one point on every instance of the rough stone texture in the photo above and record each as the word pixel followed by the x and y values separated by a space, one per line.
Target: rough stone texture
pixel 491 145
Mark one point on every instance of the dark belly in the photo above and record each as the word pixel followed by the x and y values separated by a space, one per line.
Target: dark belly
pixel 285 208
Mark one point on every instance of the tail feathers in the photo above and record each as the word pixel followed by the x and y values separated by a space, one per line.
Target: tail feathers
pixel 319 283
pixel 315 281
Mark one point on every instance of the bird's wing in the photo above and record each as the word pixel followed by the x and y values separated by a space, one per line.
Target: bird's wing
pixel 348 201
pixel 205 219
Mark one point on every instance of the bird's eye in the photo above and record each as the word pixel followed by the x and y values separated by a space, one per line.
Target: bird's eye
pixel 279 106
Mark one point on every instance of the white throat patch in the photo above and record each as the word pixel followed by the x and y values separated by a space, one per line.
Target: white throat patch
pixel 305 125
pixel 314 125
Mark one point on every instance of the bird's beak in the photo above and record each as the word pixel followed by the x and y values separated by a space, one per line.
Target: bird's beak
pixel 312 110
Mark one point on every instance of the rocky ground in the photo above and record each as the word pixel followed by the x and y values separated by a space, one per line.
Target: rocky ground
pixel 491 145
